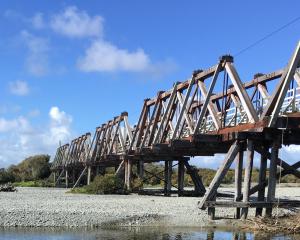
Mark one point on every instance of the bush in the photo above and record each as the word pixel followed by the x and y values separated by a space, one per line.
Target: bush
pixel 6 176
pixel 107 184
pixel 33 168
pixel 137 184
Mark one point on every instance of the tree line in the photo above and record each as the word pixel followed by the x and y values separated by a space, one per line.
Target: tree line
pixel 37 168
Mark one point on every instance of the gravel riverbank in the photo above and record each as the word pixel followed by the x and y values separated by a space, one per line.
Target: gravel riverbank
pixel 49 207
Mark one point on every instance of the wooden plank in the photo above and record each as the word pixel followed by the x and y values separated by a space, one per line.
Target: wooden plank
pixel 257 204
pixel 215 183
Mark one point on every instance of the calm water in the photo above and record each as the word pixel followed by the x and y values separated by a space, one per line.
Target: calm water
pixel 134 233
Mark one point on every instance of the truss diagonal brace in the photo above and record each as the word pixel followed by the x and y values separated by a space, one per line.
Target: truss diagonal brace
pixel 211 106
pixel 207 99
pixel 293 64
pixel 183 108
pixel 243 96
pixel 166 114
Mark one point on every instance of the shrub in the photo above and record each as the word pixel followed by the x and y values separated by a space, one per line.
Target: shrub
pixel 33 168
pixel 107 184
pixel 6 176
pixel 137 184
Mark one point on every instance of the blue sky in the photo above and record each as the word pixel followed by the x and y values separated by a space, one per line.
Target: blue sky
pixel 67 67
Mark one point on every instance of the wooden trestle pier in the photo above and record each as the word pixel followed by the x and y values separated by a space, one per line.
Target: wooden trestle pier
pixel 213 112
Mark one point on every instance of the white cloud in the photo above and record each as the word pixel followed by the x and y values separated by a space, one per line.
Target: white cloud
pixel 38 21
pixel 290 153
pixel 8 125
pixel 75 23
pixel 20 139
pixel 37 59
pixel 19 88
pixel 102 56
pixel 59 126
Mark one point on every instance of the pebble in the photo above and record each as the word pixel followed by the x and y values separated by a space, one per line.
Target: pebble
pixel 51 207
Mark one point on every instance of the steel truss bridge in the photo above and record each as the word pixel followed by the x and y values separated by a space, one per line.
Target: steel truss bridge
pixel 212 112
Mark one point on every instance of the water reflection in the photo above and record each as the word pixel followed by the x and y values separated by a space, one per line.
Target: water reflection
pixel 144 233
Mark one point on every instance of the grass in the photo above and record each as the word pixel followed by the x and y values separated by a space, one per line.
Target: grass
pixel 37 183
pixel 80 190
pixel 283 224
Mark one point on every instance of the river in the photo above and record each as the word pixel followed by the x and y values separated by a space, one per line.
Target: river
pixel 135 233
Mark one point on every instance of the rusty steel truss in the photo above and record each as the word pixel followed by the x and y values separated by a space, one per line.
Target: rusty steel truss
pixel 212 112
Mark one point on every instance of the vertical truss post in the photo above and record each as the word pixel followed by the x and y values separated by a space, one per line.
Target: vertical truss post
pixel 262 179
pixel 272 176
pixel 247 178
pixel 238 179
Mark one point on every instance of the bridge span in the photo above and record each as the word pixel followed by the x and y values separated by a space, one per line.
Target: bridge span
pixel 212 112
